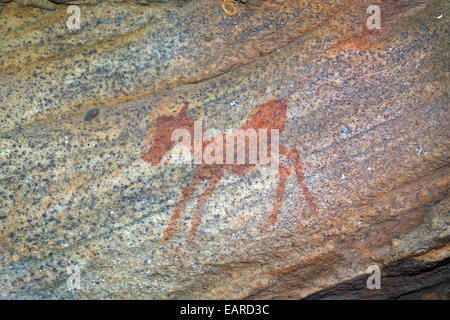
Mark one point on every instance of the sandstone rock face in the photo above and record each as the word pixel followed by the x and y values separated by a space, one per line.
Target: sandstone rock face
pixel 90 179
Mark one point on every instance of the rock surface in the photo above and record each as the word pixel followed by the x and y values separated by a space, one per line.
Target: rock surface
pixel 367 112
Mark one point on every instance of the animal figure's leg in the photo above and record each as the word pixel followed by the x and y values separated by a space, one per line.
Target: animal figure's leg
pixel 283 175
pixel 185 195
pixel 301 180
pixel 294 156
pixel 212 183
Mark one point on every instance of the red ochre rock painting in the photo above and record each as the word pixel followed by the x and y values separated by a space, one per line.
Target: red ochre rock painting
pixel 269 115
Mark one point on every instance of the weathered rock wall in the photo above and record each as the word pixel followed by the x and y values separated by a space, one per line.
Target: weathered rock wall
pixel 367 112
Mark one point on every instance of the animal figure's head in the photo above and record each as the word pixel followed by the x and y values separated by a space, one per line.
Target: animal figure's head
pixel 162 142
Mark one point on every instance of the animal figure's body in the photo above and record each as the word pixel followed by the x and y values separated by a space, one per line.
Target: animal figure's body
pixel 270 115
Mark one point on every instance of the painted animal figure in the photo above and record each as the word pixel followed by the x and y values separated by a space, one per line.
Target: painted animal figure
pixel 269 115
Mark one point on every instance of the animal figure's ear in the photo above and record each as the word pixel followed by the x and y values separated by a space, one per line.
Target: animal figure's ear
pixel 183 112
pixel 169 119
pixel 162 119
